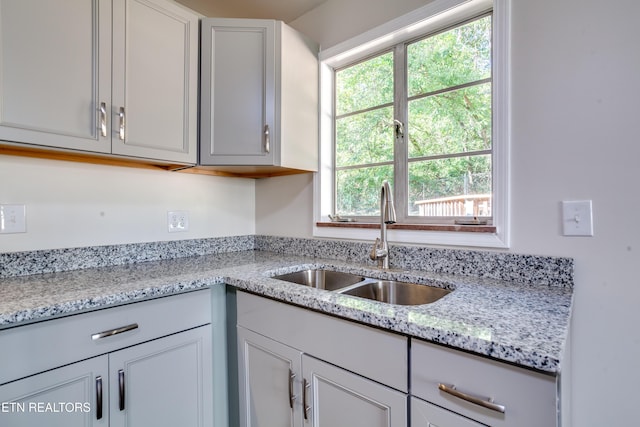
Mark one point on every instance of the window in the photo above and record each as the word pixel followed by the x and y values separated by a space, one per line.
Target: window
pixel 432 139
pixel 423 106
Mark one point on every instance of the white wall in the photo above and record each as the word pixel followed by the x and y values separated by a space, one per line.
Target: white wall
pixel 575 89
pixel 576 97
pixel 284 206
pixel 74 204
pixel 338 20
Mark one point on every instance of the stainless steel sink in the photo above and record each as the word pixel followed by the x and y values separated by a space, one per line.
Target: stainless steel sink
pixel 394 292
pixel 322 279
pixel 389 291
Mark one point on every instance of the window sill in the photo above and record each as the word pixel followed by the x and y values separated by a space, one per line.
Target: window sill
pixel 483 236
pixel 414 227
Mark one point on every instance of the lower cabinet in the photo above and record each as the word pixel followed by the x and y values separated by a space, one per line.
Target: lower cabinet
pixel 301 368
pixel 71 396
pixel 285 380
pixel 269 381
pixel 281 386
pixel 163 379
pixel 335 397
pixel 166 382
pixel 450 388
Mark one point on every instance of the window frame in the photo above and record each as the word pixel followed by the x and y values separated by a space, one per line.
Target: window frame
pixel 430 19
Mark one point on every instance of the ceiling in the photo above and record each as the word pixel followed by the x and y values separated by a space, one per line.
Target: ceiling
pixel 285 10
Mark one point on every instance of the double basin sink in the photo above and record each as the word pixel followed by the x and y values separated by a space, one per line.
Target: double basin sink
pixel 388 291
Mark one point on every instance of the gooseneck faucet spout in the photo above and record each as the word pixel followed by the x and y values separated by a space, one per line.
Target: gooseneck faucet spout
pixel 380 250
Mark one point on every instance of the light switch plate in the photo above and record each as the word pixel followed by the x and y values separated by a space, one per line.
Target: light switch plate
pixel 13 219
pixel 577 218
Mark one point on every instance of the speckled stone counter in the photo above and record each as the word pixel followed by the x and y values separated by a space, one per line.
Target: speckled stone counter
pixel 522 320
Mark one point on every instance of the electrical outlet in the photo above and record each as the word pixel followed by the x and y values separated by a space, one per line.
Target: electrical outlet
pixel 177 221
pixel 13 219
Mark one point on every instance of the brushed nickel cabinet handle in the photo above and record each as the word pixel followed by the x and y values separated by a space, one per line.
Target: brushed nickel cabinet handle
pixel 292 398
pixel 489 404
pixel 115 331
pixel 306 408
pixel 122 124
pixel 98 398
pixel 103 119
pixel 267 139
pixel 121 389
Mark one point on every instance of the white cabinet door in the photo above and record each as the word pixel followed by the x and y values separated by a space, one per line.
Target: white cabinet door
pixel 424 414
pixel 269 382
pixel 155 80
pixel 72 396
pixel 55 72
pixel 333 397
pixel 259 97
pixel 238 92
pixel 165 382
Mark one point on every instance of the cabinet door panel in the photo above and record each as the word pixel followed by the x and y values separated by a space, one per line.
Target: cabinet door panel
pixel 55 70
pixel 339 398
pixel 238 92
pixel 265 368
pixel 166 382
pixel 63 397
pixel 155 80
pixel 424 414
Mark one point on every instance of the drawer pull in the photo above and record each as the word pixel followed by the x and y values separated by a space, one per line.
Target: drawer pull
pixel 122 123
pixel 103 119
pixel 267 139
pixel 292 397
pixel 305 408
pixel 98 397
pixel 121 389
pixel 115 331
pixel 489 404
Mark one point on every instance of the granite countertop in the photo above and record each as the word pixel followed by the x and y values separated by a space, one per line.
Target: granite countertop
pixel 519 323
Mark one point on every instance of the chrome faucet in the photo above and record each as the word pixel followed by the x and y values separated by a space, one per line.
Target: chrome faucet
pixel 380 250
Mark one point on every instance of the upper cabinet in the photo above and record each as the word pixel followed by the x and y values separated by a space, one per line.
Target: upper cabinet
pixel 259 98
pixel 99 76
pixel 155 80
pixel 55 72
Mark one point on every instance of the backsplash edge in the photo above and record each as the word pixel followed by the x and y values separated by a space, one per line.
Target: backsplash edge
pixel 524 269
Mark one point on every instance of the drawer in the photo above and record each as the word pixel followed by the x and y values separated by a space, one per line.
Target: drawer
pixel 29 349
pixel 373 353
pixel 424 414
pixel 529 398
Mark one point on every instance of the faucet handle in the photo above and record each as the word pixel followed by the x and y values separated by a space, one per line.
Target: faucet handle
pixel 374 250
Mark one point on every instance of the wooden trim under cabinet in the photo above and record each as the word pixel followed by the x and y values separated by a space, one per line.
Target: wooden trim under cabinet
pixel 36 152
pixel 14 149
